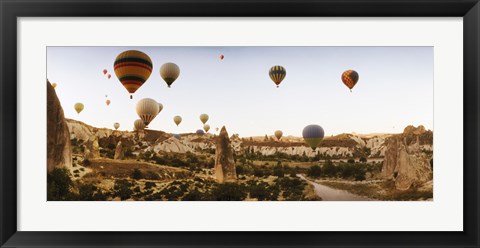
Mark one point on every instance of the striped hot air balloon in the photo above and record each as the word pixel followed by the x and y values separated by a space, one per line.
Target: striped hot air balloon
pixel 132 68
pixel 278 134
pixel 277 74
pixel 313 135
pixel 147 110
pixel 116 125
pixel 78 107
pixel 169 72
pixel 138 125
pixel 350 78
pixel 160 107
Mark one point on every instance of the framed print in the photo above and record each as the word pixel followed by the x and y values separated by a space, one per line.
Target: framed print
pixel 223 123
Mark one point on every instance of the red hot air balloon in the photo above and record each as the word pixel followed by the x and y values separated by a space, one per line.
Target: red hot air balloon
pixel 104 71
pixel 109 76
pixel 221 56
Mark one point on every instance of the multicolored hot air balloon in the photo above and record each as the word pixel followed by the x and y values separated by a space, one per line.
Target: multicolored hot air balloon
pixel 350 78
pixel 204 118
pixel 109 76
pixel 313 135
pixel 78 107
pixel 132 68
pixel 169 72
pixel 177 119
pixel 221 56
pixel 160 107
pixel 200 131
pixel 107 102
pixel 147 110
pixel 54 85
pixel 278 134
pixel 206 127
pixel 138 125
pixel 116 125
pixel 277 74
pixel 105 71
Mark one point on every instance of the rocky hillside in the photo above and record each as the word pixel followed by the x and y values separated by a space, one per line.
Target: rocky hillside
pixel 339 146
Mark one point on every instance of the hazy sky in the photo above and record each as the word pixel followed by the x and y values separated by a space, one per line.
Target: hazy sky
pixel 395 88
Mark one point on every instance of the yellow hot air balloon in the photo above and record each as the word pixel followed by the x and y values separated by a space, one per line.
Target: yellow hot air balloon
pixel 107 102
pixel 78 107
pixel 116 125
pixel 169 72
pixel 206 127
pixel 177 119
pixel 204 118
pixel 138 125
pixel 54 85
pixel 278 134
pixel 132 68
pixel 147 110
pixel 277 73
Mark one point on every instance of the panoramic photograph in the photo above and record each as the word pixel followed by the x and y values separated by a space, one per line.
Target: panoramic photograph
pixel 239 123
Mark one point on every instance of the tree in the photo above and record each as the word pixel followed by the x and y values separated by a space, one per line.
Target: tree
pixel 137 174
pixel 314 171
pixel 59 184
pixel 229 192
pixel 363 159
pixel 351 161
pixel 329 169
pixel 278 170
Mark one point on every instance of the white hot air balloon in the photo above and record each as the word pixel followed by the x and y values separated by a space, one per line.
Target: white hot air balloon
pixel 147 110
pixel 116 125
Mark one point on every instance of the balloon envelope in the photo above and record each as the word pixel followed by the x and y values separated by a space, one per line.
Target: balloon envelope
pixel 54 85
pixel 116 125
pixel 277 73
pixel 107 102
pixel 278 134
pixel 313 135
pixel 177 136
pixel 147 110
pixel 138 125
pixel 204 118
pixel 177 119
pixel 104 71
pixel 169 72
pixel 78 107
pixel 160 107
pixel 200 131
pixel 109 76
pixel 206 127
pixel 132 68
pixel 221 56
pixel 350 78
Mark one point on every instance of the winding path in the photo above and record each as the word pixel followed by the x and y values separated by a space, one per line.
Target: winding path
pixel 331 194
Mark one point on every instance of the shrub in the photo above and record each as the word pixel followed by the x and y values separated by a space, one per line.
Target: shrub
pixel 58 185
pixel 76 171
pixel 122 189
pixel 329 169
pixel 363 160
pixel 137 174
pixel 229 192
pixel 278 171
pixel 351 161
pixel 149 185
pixel 194 195
pixel 86 162
pixel 315 171
pixel 89 192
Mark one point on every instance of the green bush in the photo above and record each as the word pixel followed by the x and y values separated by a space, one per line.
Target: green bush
pixel 89 192
pixel 122 189
pixel 315 171
pixel 137 174
pixel 59 184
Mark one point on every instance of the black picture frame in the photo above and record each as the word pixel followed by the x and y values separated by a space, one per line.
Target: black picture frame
pixel 10 10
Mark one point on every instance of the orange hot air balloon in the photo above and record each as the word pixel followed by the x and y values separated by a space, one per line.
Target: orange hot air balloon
pixel 350 78
pixel 105 71
pixel 107 102
pixel 221 56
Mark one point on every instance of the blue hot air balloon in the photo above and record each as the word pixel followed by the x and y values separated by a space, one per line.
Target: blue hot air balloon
pixel 177 136
pixel 200 131
pixel 313 135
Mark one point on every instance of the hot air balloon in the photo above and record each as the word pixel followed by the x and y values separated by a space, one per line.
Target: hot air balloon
pixel 138 124
pixel 116 125
pixel 206 127
pixel 350 78
pixel 109 76
pixel 177 119
pixel 177 136
pixel 160 107
pixel 278 134
pixel 107 102
pixel 104 71
pixel 200 131
pixel 78 107
pixel 221 56
pixel 216 129
pixel 313 135
pixel 147 110
pixel 132 68
pixel 204 118
pixel 54 85
pixel 277 74
pixel 169 72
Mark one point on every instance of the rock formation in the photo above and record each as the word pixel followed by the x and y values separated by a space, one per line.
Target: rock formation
pixel 119 153
pixel 224 162
pixel 59 150
pixel 407 158
pixel 92 149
